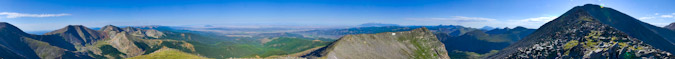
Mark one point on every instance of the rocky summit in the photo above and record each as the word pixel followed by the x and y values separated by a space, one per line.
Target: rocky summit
pixel 416 44
pixel 579 34
pixel 671 26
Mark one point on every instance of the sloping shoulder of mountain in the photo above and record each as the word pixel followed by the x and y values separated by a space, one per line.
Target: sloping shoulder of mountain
pixel 168 53
pixel 12 45
pixel 419 44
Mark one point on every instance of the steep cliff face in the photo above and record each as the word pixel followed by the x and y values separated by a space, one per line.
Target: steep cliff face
pixel 416 44
pixel 580 34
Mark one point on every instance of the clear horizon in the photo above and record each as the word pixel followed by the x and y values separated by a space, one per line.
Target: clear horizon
pixel 45 15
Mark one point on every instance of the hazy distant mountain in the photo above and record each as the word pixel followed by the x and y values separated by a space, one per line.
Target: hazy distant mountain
pixel 592 31
pixel 416 44
pixel 487 28
pixel 671 26
pixel 377 25
pixel 514 34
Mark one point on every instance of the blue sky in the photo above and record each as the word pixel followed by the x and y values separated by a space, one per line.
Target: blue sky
pixel 39 15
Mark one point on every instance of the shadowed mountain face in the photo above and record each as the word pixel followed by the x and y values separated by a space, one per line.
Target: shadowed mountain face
pixel 591 31
pixel 11 43
pixel 671 26
pixel 416 44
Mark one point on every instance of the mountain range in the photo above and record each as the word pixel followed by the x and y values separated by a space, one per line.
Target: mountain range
pixel 460 42
pixel 589 31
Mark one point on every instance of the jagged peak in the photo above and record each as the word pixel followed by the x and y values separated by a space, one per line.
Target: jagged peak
pixel 75 28
pixel 108 28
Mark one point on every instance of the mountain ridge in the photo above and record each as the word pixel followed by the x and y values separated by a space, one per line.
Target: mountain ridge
pixel 417 43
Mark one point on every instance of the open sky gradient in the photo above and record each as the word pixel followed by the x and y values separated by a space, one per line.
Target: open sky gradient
pixel 38 15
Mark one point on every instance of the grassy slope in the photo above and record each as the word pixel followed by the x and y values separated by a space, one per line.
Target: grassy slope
pixel 285 45
pixel 280 46
pixel 168 53
pixel 214 46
